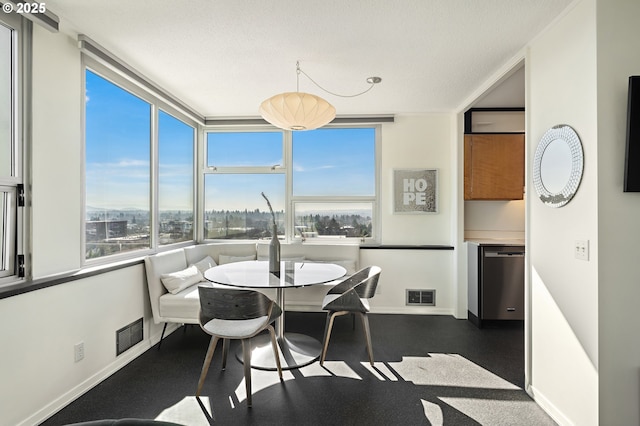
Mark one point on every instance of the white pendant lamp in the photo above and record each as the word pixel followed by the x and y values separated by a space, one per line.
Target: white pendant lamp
pixel 302 111
pixel 297 111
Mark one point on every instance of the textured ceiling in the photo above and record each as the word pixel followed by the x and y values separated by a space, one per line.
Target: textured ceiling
pixel 223 57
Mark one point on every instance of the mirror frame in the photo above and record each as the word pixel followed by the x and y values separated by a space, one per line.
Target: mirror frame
pixel 570 137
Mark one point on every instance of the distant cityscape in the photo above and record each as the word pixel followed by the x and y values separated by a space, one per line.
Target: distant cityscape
pixel 111 231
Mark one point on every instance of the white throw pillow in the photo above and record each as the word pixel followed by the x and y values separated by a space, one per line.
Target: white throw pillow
pixel 204 264
pixel 178 281
pixel 225 258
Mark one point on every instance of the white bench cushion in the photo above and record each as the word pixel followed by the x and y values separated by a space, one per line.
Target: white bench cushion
pixel 183 305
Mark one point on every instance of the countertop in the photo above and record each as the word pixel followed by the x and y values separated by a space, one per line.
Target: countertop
pixel 496 241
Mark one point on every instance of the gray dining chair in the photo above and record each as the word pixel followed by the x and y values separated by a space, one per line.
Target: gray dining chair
pixel 230 314
pixel 351 296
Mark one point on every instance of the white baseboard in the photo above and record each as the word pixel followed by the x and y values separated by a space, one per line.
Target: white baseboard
pixel 408 310
pixel 412 310
pixel 548 407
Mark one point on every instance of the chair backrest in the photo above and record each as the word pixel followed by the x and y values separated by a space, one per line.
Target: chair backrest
pixel 232 304
pixel 367 287
pixel 364 282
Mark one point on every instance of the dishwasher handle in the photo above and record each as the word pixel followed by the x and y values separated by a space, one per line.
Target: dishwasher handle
pixel 506 254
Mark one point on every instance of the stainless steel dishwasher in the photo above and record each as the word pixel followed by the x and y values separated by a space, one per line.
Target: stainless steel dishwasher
pixel 502 294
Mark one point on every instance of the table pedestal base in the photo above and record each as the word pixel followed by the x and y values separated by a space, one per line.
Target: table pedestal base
pixel 296 350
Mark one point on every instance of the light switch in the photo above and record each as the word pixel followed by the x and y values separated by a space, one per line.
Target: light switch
pixel 581 249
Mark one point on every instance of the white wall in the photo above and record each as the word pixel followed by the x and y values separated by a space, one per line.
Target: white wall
pixel 494 219
pixel 416 141
pixel 39 375
pixel 38 371
pixel 57 189
pixel 562 81
pixel 415 270
pixel 618 213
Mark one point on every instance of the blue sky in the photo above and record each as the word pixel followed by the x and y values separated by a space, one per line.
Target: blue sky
pixel 326 161
pixel 118 129
pixel 117 146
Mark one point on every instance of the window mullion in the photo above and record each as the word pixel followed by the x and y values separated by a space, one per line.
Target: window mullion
pixel 154 225
pixel 288 181
pixel 200 151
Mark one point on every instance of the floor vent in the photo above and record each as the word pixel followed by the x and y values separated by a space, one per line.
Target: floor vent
pixel 128 336
pixel 421 297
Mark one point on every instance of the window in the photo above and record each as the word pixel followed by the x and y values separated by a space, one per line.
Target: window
pixel 242 166
pixel 327 190
pixel 8 215
pixel 6 100
pixel 117 174
pixel 246 149
pixel 334 182
pixel 11 179
pixel 334 162
pixel 176 141
pixel 139 168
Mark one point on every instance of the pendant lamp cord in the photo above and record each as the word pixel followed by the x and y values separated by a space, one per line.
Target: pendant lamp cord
pixel 373 82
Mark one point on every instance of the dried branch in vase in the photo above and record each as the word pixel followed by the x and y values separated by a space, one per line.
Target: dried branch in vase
pixel 270 208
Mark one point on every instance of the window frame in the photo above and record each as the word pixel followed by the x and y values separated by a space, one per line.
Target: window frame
pixel 157 104
pixel 287 169
pixel 156 165
pixel 15 215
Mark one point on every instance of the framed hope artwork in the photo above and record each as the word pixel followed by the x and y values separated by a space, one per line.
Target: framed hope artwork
pixel 415 191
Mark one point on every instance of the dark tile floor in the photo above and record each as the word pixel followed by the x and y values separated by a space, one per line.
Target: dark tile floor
pixel 429 370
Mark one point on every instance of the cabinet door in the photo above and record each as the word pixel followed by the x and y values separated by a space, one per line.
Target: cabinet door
pixel 494 167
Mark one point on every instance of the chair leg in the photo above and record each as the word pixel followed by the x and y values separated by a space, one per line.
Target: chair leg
pixel 327 334
pixel 274 345
pixel 162 335
pixel 246 354
pixel 225 352
pixel 207 362
pixel 331 315
pixel 367 333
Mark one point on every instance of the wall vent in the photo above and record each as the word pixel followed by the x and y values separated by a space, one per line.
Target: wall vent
pixel 128 336
pixel 421 297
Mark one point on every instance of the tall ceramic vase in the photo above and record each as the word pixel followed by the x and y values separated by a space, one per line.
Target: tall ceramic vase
pixel 274 253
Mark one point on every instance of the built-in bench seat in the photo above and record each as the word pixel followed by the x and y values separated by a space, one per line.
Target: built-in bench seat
pixel 181 270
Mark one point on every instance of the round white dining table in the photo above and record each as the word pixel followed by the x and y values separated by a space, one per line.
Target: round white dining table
pixel 297 349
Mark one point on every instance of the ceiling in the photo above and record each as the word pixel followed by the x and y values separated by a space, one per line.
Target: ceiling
pixel 224 57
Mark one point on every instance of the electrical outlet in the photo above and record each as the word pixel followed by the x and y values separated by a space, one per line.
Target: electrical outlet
pixel 581 249
pixel 78 351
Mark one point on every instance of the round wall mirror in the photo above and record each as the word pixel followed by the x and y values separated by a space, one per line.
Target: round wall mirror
pixel 557 165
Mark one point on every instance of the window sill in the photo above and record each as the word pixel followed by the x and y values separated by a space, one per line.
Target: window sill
pixel 25 286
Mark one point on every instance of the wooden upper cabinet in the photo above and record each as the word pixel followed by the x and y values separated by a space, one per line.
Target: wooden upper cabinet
pixel 493 166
